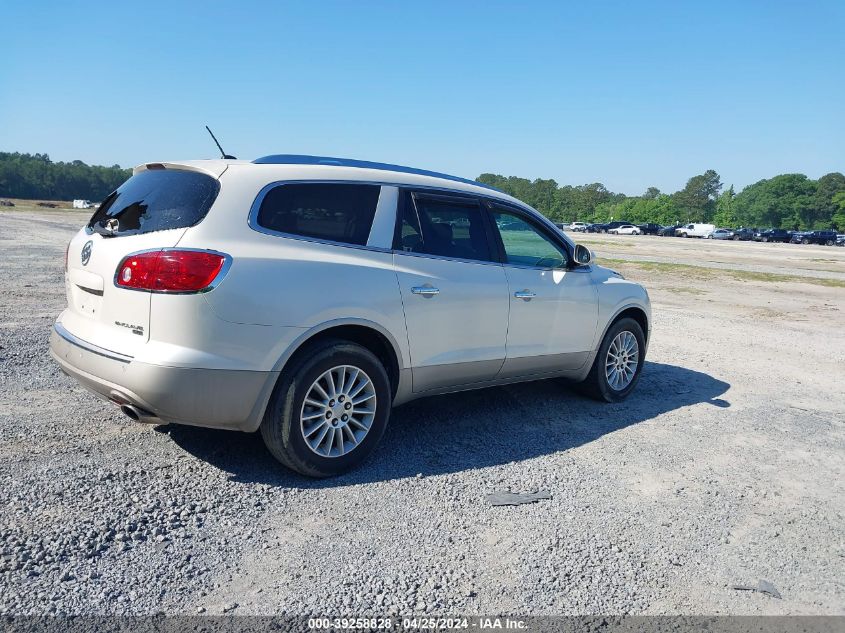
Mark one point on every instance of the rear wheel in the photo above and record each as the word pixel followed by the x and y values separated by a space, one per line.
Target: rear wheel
pixel 829 243
pixel 618 364
pixel 805 241
pixel 329 409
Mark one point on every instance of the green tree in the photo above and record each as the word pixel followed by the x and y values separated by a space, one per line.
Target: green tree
pixel 785 201
pixel 698 197
pixel 35 176
pixel 838 218
pixel 724 215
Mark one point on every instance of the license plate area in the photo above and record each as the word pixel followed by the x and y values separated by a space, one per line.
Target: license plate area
pixel 87 301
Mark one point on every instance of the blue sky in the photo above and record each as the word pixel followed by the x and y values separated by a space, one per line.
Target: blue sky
pixel 631 94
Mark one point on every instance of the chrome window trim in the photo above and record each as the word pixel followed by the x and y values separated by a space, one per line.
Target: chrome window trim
pixel 448 259
pixel 221 275
pixel 90 347
pixel 252 217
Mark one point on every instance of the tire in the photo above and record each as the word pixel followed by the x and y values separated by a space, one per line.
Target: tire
pixel 709 237
pixel 805 241
pixel 596 383
pixel 736 238
pixel 765 239
pixel 282 427
pixel 829 243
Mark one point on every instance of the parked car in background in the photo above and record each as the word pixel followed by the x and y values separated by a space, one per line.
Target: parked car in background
pixel 330 300
pixel 772 235
pixel 828 238
pixel 649 229
pixel 743 234
pixel 593 228
pixel 605 228
pixel 669 230
pixel 840 239
pixel 721 234
pixel 578 227
pixel 695 230
pixel 625 229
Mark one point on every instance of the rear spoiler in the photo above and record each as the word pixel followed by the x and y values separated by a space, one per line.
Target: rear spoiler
pixel 213 168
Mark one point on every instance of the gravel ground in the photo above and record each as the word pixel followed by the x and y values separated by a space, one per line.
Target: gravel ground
pixel 724 468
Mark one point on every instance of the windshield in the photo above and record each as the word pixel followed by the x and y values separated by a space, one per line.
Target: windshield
pixel 156 200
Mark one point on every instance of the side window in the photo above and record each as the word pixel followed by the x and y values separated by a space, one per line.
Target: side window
pixel 526 245
pixel 445 226
pixel 340 212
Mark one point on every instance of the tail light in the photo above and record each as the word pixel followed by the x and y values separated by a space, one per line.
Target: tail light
pixel 177 271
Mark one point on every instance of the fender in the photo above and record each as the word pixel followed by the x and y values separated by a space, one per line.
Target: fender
pixel 257 413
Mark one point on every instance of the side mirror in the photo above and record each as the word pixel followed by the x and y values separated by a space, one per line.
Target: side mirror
pixel 583 256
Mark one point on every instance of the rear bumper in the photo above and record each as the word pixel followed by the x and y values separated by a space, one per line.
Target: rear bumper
pixel 217 398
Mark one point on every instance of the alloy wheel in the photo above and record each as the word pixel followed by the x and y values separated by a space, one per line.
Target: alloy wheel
pixel 338 411
pixel 622 360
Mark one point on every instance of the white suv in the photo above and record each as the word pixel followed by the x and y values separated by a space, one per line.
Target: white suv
pixel 306 296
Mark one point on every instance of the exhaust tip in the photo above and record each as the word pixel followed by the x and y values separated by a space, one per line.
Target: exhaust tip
pixel 130 412
pixel 139 415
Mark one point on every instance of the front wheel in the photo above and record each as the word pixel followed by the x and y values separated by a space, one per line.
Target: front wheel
pixel 329 409
pixel 805 241
pixel 618 364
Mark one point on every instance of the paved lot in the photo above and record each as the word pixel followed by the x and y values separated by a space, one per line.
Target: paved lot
pixel 726 467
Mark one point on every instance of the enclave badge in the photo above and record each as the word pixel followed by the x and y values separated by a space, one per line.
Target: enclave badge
pixel 86 252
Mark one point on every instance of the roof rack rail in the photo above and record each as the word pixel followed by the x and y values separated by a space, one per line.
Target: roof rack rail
pixel 302 159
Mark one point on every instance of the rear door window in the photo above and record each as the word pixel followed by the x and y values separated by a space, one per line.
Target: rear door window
pixel 337 212
pixel 444 225
pixel 156 200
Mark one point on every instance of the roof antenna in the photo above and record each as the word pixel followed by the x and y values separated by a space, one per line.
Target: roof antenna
pixel 225 155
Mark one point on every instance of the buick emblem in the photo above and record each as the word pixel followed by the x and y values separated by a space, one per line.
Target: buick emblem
pixel 86 252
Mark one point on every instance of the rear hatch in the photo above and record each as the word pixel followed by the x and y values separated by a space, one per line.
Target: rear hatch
pixel 150 211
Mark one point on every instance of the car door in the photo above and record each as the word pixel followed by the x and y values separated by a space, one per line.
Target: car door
pixel 454 292
pixel 553 307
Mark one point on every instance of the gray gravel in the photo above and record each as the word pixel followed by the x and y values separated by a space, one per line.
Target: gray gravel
pixel 725 468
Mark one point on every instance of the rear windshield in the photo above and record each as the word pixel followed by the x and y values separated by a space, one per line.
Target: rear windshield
pixel 156 200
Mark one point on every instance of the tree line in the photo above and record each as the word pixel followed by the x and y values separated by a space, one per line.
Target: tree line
pixel 36 177
pixel 788 201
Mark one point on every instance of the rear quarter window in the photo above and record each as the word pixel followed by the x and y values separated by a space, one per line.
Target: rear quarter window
pixel 156 200
pixel 337 212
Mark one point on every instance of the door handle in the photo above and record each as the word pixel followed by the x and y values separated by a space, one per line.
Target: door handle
pixel 525 295
pixel 425 291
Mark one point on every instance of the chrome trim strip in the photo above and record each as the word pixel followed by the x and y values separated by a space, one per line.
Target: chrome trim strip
pixel 227 264
pixel 90 347
pixel 252 218
pixel 448 259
